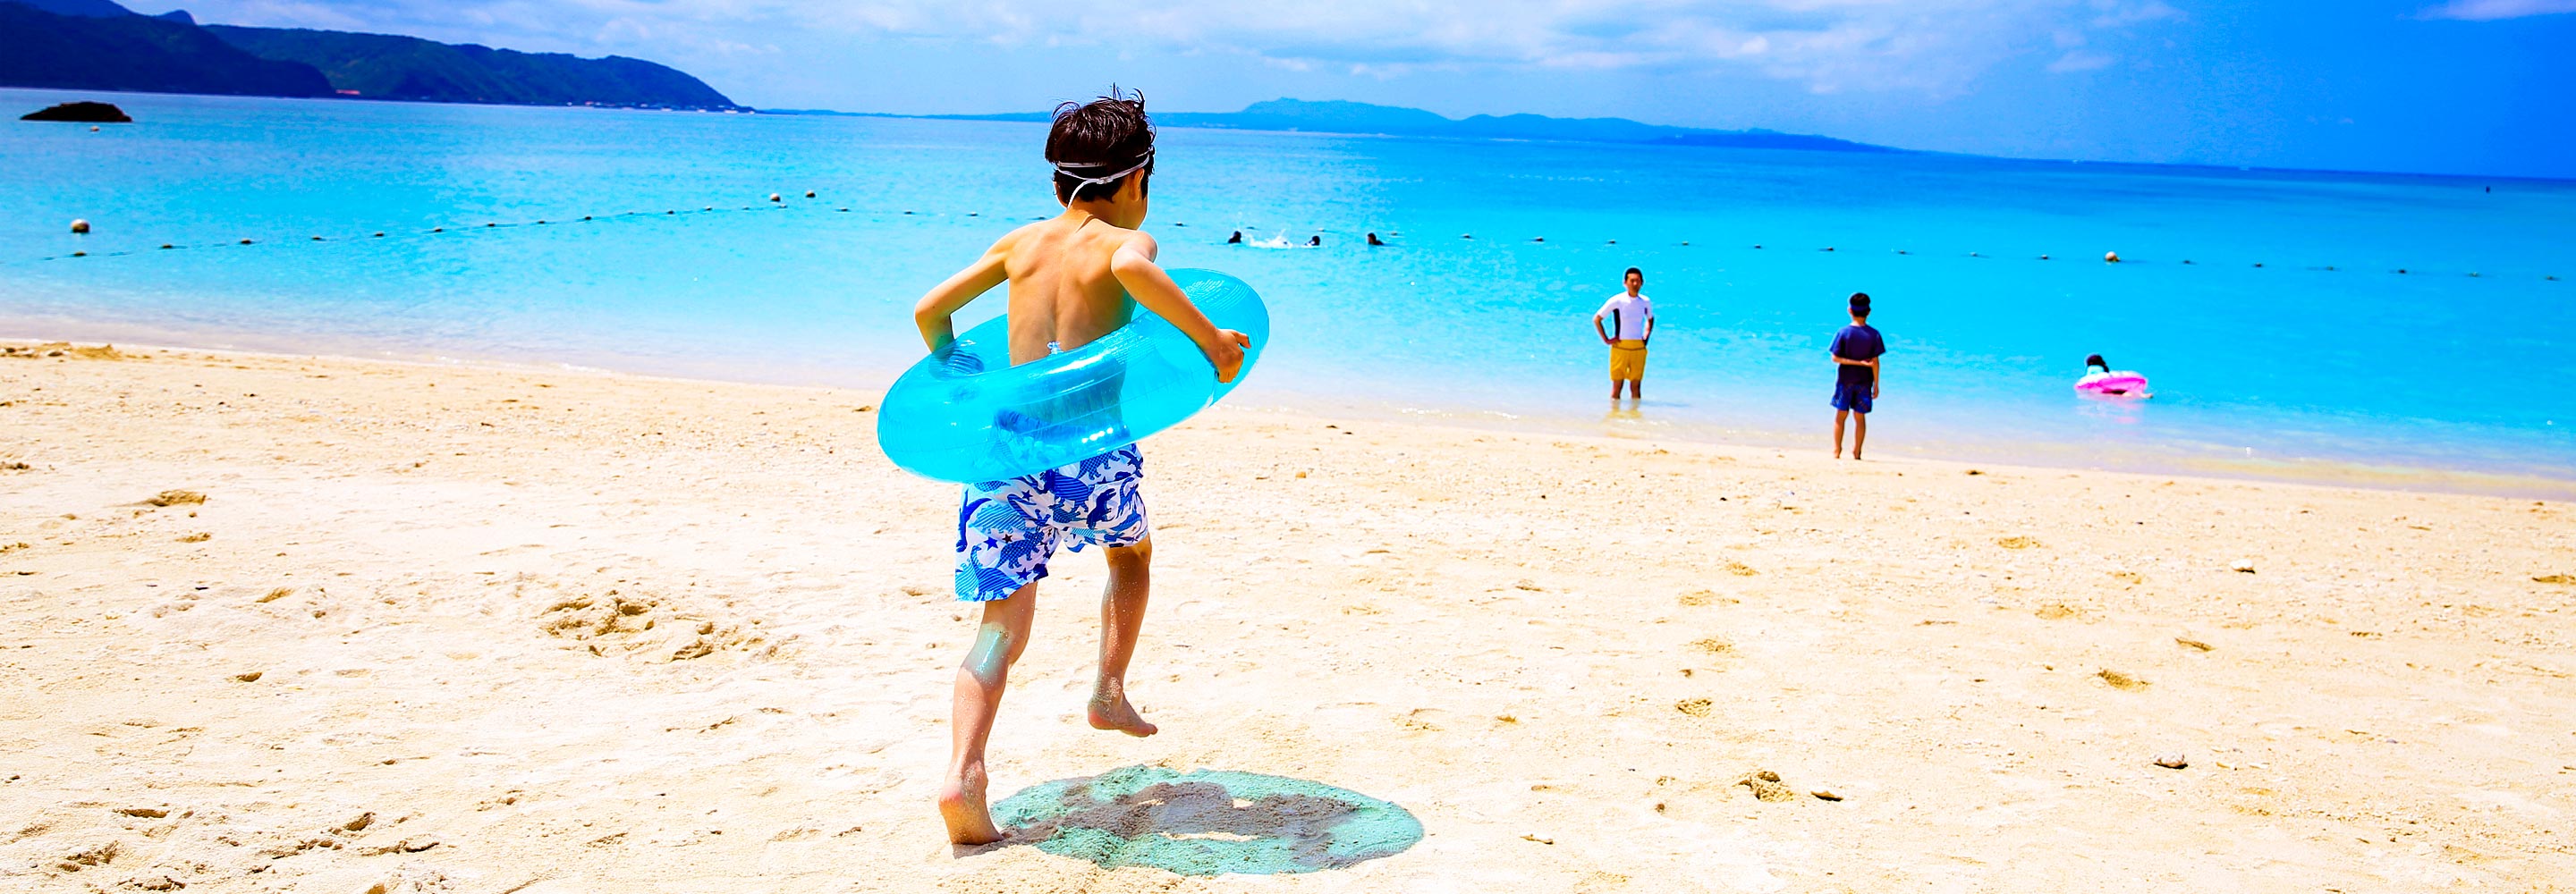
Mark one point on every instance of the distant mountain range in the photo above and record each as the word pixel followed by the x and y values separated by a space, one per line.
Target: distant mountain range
pixel 99 45
pixel 1363 118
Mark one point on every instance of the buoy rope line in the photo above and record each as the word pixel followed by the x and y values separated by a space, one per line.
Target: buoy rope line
pixel 778 202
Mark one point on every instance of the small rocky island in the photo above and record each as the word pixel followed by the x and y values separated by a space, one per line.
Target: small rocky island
pixel 85 112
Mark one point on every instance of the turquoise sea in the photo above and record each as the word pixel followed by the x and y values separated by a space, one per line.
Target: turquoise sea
pixel 2324 360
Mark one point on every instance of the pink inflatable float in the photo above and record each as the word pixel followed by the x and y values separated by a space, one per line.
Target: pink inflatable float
pixel 2101 380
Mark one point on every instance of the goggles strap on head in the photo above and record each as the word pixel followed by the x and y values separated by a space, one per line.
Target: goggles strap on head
pixel 1066 168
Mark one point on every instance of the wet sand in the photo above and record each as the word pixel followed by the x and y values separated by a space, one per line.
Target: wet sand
pixel 485 629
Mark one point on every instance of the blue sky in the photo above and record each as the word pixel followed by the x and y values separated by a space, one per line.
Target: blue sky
pixel 2434 86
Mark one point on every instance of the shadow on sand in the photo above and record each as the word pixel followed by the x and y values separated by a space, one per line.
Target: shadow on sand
pixel 1205 822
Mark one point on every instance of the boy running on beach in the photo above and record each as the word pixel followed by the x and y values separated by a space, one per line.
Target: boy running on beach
pixel 1070 280
pixel 1856 351
pixel 1631 318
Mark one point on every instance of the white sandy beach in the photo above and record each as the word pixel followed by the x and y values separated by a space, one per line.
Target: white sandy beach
pixel 484 630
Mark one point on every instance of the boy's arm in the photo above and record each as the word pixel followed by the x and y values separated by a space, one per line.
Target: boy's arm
pixel 1133 265
pixel 1875 374
pixel 945 299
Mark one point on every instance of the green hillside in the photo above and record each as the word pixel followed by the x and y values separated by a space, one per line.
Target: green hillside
pixel 142 53
pixel 385 66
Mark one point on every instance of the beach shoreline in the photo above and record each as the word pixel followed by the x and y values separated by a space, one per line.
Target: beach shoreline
pixel 314 624
pixel 1893 439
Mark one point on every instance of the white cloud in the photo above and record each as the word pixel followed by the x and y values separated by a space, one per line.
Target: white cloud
pixel 1934 47
pixel 2490 10
pixel 2080 60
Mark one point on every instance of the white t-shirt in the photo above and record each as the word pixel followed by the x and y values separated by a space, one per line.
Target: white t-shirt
pixel 1632 312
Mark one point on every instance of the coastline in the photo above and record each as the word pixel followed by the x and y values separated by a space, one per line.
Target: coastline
pixel 1894 440
pixel 463 626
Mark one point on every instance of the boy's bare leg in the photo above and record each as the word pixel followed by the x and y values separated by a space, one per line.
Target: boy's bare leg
pixel 998 643
pixel 1122 619
pixel 1636 389
pixel 1860 433
pixel 1839 416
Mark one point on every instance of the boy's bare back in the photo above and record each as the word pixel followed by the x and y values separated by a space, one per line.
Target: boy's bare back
pixel 1064 283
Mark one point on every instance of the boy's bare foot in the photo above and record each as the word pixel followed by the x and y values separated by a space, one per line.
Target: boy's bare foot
pixel 961 804
pixel 1110 710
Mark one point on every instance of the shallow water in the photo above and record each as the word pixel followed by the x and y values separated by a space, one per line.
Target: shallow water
pixel 2323 355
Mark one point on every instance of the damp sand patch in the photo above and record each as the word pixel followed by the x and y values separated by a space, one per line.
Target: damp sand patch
pixel 1206 822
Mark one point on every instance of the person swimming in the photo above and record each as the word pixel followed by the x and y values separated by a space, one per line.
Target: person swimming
pixel 2096 361
pixel 1236 239
pixel 1373 240
pixel 1314 242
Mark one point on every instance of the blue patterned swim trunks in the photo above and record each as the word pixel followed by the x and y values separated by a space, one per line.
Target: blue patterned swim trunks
pixel 1008 529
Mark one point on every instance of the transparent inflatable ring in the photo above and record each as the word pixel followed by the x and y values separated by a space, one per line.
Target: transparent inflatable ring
pixel 966 414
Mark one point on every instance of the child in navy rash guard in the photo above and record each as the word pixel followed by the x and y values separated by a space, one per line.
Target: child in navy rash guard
pixel 1856 351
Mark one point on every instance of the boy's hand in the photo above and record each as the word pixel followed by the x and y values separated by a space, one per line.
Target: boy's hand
pixel 1226 354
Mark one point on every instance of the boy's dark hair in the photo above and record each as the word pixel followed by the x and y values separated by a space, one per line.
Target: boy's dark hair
pixel 1099 138
pixel 1632 271
pixel 1860 305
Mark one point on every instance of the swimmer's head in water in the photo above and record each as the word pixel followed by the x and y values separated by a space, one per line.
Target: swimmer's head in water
pixel 2096 360
pixel 1097 146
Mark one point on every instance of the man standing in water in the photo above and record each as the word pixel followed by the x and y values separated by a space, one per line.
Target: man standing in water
pixel 1630 318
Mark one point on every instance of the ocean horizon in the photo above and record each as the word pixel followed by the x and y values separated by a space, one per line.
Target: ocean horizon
pixel 2354 327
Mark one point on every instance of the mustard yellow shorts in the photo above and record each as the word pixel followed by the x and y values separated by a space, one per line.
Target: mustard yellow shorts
pixel 1628 360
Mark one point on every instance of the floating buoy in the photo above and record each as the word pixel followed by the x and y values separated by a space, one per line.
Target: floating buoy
pixel 1975 255
pixel 317 238
pixel 2473 274
pixel 1538 239
pixel 1177 224
pixel 2186 260
pixel 541 222
pixel 2329 268
pixel 809 193
pixel 245 242
pixel 2258 263
pixel 708 208
pixel 968 214
pixel 168 245
pixel 1757 246
pixel 1903 252
pixel 907 212
pixel 670 212
pixel 438 229
pixel 2110 257
pixel 82 254
pixel 491 225
pixel 1614 241
pixel 378 235
pixel 845 211
pixel 2401 271
pixel 2043 257
pixel 80 226
pixel 1686 245
pixel 585 217
pixel 774 197
pixel 1466 235
pixel 1829 248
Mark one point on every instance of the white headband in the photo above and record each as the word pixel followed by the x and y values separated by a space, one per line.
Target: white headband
pixel 1063 167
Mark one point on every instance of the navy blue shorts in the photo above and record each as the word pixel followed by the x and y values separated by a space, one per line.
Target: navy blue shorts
pixel 1852 397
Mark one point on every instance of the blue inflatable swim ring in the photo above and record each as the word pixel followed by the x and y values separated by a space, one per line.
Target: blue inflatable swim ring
pixel 966 414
